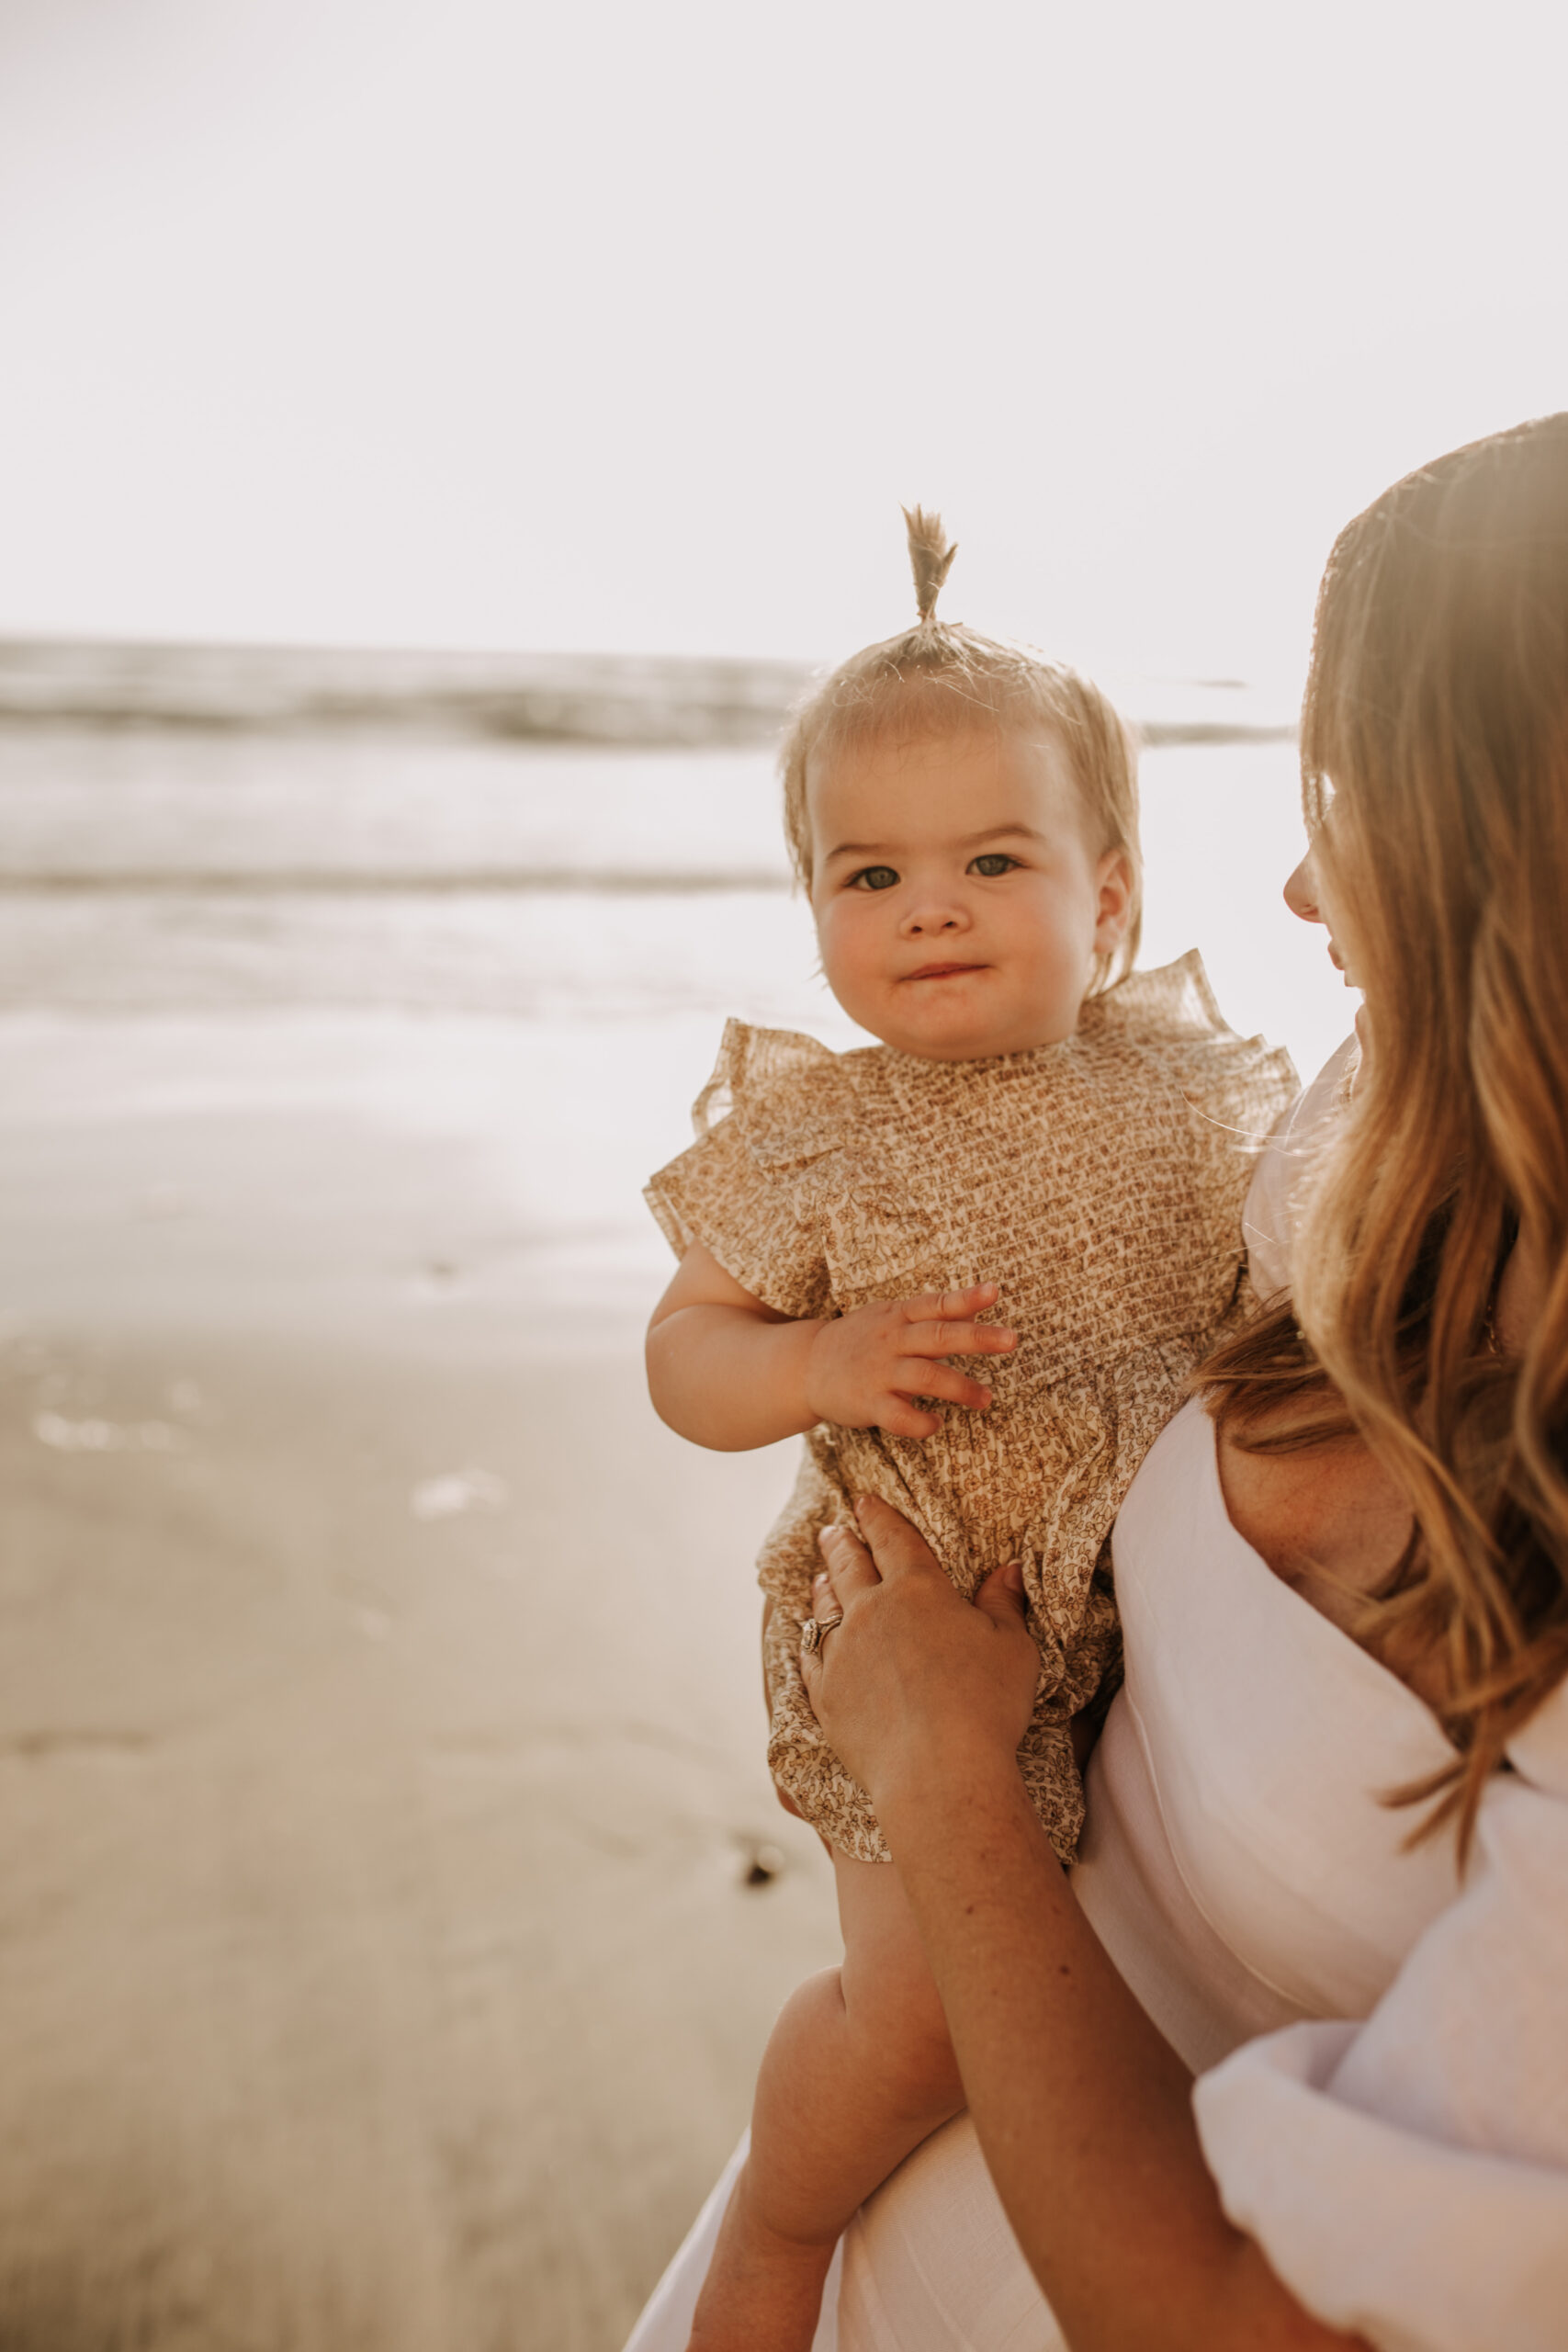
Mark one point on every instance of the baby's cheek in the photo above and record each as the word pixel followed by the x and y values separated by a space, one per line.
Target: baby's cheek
pixel 847 953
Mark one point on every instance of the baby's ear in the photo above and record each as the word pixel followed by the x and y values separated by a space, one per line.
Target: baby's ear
pixel 1115 904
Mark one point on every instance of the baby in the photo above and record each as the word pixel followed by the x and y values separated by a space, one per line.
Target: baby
pixel 1035 1128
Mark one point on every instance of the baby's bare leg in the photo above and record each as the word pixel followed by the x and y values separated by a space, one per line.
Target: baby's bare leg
pixel 858 2071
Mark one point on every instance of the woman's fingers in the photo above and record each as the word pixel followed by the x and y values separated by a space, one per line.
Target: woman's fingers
pixel 846 1562
pixel 912 1670
pixel 1000 1595
pixel 897 1548
pixel 847 1568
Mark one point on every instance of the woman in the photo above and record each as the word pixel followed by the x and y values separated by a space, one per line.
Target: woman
pixel 1326 1864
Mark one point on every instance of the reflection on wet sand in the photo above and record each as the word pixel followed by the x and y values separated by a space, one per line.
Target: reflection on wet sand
pixel 378 1742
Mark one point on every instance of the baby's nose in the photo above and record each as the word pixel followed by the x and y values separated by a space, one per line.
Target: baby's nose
pixel 933 917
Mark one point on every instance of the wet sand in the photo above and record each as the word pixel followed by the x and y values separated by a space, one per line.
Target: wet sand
pixel 380 1750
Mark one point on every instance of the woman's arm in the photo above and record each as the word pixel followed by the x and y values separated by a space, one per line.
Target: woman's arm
pixel 729 1371
pixel 1083 2111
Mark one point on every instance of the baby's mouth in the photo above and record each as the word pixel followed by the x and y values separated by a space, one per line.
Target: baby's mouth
pixel 943 971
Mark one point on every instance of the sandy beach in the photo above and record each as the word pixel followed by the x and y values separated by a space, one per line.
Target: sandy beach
pixel 380 1739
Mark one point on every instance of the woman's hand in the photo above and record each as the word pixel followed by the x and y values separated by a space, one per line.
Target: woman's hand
pixel 915 1678
pixel 1083 2111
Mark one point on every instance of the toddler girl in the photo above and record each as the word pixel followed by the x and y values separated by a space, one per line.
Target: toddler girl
pixel 1036 1131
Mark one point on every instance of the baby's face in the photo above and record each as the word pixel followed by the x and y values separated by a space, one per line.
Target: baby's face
pixel 960 905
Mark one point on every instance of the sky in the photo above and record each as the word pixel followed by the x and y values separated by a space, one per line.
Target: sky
pixel 478 321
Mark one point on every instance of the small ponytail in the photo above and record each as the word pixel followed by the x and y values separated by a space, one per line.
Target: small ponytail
pixel 930 560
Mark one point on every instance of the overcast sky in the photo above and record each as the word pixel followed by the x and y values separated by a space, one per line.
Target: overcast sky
pixel 478 321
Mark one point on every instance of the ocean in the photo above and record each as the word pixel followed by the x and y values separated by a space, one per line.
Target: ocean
pixel 395 906
pixel 159 869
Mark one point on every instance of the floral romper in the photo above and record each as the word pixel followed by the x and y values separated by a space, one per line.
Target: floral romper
pixel 1100 1183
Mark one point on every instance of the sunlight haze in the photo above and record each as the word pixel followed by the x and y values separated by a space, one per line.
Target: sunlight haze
pixel 622 328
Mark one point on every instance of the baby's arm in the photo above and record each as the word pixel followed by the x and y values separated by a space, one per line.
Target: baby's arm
pixel 730 1373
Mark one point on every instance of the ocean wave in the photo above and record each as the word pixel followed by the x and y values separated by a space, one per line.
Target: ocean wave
pixel 333 882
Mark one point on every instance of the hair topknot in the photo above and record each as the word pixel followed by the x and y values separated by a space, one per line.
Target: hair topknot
pixel 942 678
pixel 931 558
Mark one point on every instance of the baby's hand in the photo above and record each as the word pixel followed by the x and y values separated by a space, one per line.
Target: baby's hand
pixel 866 1367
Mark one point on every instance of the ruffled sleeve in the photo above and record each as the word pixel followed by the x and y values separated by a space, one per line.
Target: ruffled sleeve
pixel 1269 1219
pixel 775 1105
pixel 1407 2178
pixel 1236 1088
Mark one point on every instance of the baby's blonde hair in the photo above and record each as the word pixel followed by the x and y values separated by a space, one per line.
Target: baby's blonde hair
pixel 941 678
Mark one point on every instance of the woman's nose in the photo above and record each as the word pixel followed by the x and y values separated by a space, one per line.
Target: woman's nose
pixel 1301 892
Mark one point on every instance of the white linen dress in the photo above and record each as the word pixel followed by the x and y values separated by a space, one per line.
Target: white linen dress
pixel 1381 2050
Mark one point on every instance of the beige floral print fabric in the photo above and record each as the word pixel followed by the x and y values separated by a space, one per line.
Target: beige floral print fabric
pixel 1100 1183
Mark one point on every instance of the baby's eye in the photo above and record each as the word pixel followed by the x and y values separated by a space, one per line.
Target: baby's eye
pixel 874 877
pixel 994 861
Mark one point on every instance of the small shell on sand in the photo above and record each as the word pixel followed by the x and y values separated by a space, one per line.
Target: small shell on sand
pixel 455 1491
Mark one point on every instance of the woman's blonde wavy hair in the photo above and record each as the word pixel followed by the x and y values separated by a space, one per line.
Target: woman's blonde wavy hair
pixel 1435 771
pixel 939 677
